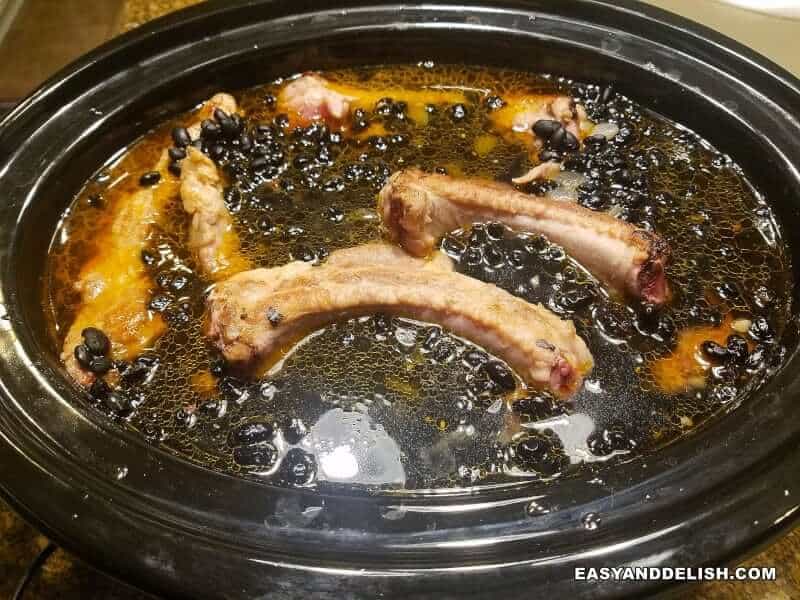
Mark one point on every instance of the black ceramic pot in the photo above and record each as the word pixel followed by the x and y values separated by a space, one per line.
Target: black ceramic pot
pixel 175 528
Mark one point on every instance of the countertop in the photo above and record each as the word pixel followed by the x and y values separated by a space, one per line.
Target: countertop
pixel 65 576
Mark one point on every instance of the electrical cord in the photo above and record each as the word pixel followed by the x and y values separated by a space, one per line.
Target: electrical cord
pixel 33 568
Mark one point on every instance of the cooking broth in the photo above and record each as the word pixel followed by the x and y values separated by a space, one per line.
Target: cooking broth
pixel 396 403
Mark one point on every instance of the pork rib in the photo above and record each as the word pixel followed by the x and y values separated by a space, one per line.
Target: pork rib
pixel 114 284
pixel 257 313
pixel 212 236
pixel 312 98
pixel 417 209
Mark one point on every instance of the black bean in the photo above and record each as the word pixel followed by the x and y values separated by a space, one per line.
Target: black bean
pixel 117 401
pixel 255 456
pixel 625 134
pixel 623 176
pixel 597 140
pixel 431 337
pixel 181 137
pixel 473 256
pixel 617 438
pixel 179 282
pixel 546 128
pixel 177 153
pixel 495 102
pixel 148 257
pixel 493 256
pixel 458 112
pixel 234 389
pixel 252 433
pixel 763 297
pixel 159 302
pixel 294 430
pixel 558 138
pixel 303 253
pixel 259 164
pixel 478 236
pixel 83 356
pixel 232 127
pixel 140 370
pixel 96 341
pixel 737 348
pixel 245 143
pixel 598 444
pixel 100 365
pixel 727 291
pixel 216 151
pixel 226 123
pixel 99 389
pixel 575 299
pixel 724 373
pixel 533 449
pixel 537 407
pixel 383 324
pixel 549 155
pixel 496 231
pixel 594 201
pixel 722 393
pixel 301 468
pixel 384 107
pixel 214 408
pixel 606 94
pixel 96 201
pixel 334 214
pixel 517 258
pixel 274 316
pixel 613 320
pixel 148 179
pixel 398 139
pixel 174 168
pixel 443 352
pixel 570 143
pixel 209 130
pixel 714 352
pixel 500 374
pixel 761 331
pixel 755 360
pixel 474 358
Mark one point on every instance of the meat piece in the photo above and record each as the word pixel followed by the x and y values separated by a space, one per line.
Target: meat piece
pixel 260 313
pixel 311 97
pixel 225 102
pixel 545 170
pixel 114 285
pixel 419 208
pixel 212 236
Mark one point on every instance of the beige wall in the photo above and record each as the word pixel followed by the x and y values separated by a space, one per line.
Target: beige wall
pixel 774 37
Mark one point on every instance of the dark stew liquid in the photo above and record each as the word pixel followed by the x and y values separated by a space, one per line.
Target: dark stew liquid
pixel 394 403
